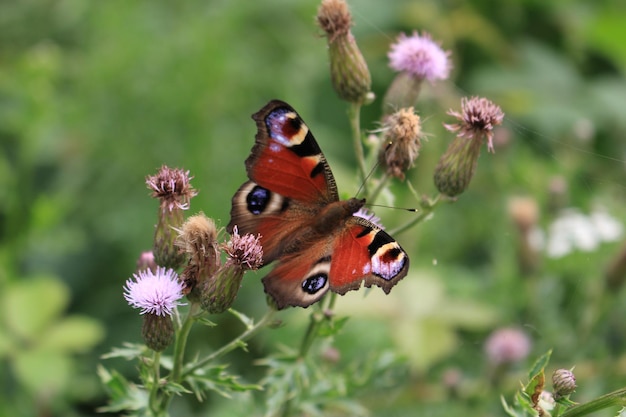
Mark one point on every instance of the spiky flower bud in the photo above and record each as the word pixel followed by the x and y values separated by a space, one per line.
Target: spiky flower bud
pixel 348 70
pixel 157 331
pixel 402 134
pixel 457 165
pixel 563 383
pixel 416 58
pixel 219 292
pixel 198 239
pixel 172 188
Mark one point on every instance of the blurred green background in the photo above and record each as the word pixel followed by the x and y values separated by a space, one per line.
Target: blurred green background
pixel 96 95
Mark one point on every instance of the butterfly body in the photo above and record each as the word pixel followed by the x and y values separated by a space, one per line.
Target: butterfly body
pixel 291 200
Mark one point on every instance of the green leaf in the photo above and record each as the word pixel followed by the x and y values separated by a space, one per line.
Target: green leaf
pixel 508 409
pixel 247 321
pixel 129 352
pixel 123 394
pixel 540 364
pixel 206 322
pixel 43 371
pixel 73 334
pixel 32 305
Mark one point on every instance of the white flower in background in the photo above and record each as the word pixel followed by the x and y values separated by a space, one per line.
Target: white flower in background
pixel 573 230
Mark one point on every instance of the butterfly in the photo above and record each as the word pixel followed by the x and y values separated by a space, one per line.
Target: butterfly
pixel 291 200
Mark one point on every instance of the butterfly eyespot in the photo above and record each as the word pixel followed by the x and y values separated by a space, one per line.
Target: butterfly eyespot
pixel 315 283
pixel 257 199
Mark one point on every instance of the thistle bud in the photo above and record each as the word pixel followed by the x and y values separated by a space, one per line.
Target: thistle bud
pixel 219 292
pixel 348 70
pixel 563 383
pixel 457 165
pixel 172 188
pixel 146 261
pixel 402 134
pixel 157 331
pixel 198 239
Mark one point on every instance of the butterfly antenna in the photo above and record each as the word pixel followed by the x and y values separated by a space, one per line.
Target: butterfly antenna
pixel 367 177
pixel 409 209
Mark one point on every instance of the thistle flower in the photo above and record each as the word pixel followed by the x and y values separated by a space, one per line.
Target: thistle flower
pixel 198 239
pixel 563 383
pixel 478 117
pixel 156 294
pixel 172 188
pixel 457 165
pixel 348 70
pixel 245 251
pixel 402 131
pixel 416 58
pixel 219 292
pixel 507 345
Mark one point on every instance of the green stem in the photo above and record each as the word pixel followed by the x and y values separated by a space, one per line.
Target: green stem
pixel 311 332
pixel 615 398
pixel 354 114
pixel 381 186
pixel 156 376
pixel 426 210
pixel 233 344
pixel 181 343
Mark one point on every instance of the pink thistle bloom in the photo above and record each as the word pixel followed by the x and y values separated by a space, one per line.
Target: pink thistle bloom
pixel 154 293
pixel 507 345
pixel 420 57
pixel 245 250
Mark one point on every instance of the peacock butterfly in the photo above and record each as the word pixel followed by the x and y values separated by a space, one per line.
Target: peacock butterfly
pixel 291 200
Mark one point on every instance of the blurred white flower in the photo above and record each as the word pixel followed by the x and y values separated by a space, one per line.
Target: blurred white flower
pixel 573 230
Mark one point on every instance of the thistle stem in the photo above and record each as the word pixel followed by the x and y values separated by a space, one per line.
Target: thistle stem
pixel 381 186
pixel 233 344
pixel 426 210
pixel 181 343
pixel 153 402
pixel 354 114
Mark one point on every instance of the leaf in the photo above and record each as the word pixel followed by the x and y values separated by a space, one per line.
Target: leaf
pixel 73 334
pixel 130 351
pixel 32 305
pixel 507 408
pixel 123 394
pixel 43 371
pixel 215 378
pixel 540 364
pixel 206 322
pixel 331 326
pixel 247 321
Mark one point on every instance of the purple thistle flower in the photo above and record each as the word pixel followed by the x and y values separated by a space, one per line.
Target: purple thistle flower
pixel 420 57
pixel 154 293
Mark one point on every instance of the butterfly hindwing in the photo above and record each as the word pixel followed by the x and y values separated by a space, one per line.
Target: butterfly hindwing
pixel 361 253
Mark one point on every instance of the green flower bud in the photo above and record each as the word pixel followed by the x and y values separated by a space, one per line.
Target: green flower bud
pixel 563 382
pixel 157 331
pixel 349 72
